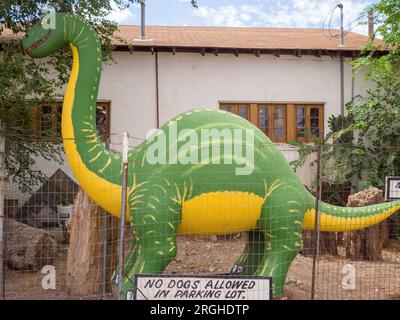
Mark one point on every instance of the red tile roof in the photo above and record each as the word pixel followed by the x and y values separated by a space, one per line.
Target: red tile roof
pixel 232 38
pixel 240 38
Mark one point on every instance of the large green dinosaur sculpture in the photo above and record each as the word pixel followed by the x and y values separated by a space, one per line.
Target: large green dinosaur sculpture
pixel 269 202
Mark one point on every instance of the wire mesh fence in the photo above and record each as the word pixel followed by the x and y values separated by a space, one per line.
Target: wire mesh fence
pixel 59 244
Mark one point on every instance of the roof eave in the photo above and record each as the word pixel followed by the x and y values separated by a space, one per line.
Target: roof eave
pixel 353 53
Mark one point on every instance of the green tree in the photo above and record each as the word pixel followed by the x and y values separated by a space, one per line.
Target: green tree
pixel 25 82
pixel 376 115
pixel 373 151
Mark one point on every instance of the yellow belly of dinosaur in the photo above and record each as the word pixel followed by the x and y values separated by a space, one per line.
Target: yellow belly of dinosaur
pixel 218 213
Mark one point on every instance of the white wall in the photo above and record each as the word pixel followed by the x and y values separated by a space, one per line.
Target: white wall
pixel 130 85
pixel 189 81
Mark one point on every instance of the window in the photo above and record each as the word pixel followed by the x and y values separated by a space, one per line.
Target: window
pixel 272 121
pixel 309 118
pixel 239 109
pixel 103 119
pixel 282 122
pixel 47 119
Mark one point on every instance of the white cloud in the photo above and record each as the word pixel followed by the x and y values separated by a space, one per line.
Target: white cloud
pixel 227 15
pixel 121 16
pixel 279 13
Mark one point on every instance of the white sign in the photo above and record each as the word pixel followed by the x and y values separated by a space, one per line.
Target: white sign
pixel 164 287
pixel 392 188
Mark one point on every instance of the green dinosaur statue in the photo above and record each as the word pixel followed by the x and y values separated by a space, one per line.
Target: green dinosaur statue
pixel 209 198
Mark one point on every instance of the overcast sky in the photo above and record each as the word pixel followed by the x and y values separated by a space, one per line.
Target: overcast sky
pixel 246 13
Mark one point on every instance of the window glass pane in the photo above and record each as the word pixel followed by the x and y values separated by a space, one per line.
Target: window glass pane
pixel 300 113
pixel 58 115
pixel 278 112
pixel 46 120
pixel 279 123
pixel 263 118
pixel 101 119
pixel 314 121
pixel 314 112
pixel 315 131
pixel 300 122
pixel 279 133
pixel 242 112
pixel 227 108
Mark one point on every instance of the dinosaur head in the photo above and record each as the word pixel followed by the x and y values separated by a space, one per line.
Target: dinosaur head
pixel 46 36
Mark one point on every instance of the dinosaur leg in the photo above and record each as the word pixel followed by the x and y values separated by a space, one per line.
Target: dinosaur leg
pixel 281 221
pixel 252 255
pixel 130 260
pixel 155 222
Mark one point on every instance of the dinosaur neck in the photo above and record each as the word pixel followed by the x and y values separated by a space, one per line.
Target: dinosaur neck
pixel 97 170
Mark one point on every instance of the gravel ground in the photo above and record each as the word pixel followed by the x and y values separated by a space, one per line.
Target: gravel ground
pixel 374 280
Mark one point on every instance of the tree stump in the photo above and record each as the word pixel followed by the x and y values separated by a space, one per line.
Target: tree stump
pixel 367 244
pixel 28 248
pixel 327 243
pixel 85 252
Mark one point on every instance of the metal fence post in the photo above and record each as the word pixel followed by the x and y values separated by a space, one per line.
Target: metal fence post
pixel 121 243
pixel 105 242
pixel 316 233
pixel 2 217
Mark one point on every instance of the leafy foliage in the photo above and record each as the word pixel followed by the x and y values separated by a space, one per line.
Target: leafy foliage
pixel 25 82
pixel 369 145
pixel 377 115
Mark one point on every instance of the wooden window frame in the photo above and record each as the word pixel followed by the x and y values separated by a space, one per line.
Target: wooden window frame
pixel 307 129
pixel 235 108
pixel 271 120
pixel 289 116
pixel 55 130
pixel 107 106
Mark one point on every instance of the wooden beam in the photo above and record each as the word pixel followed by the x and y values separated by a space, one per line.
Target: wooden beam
pixel 291 122
pixel 355 54
pixel 253 116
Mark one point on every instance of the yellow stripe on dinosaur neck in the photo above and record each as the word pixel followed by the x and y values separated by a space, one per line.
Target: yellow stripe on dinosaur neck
pixel 341 224
pixel 105 194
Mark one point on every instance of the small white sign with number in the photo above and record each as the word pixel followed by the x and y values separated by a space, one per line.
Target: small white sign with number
pixel 392 188
pixel 156 287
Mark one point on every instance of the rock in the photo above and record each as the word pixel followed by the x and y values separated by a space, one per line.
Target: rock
pixel 28 248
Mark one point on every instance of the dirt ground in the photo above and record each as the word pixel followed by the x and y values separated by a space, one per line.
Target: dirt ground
pixel 374 280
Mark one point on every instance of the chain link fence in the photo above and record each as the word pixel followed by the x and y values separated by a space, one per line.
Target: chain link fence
pixel 58 244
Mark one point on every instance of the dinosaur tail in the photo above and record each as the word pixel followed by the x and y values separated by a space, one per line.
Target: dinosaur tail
pixel 333 218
